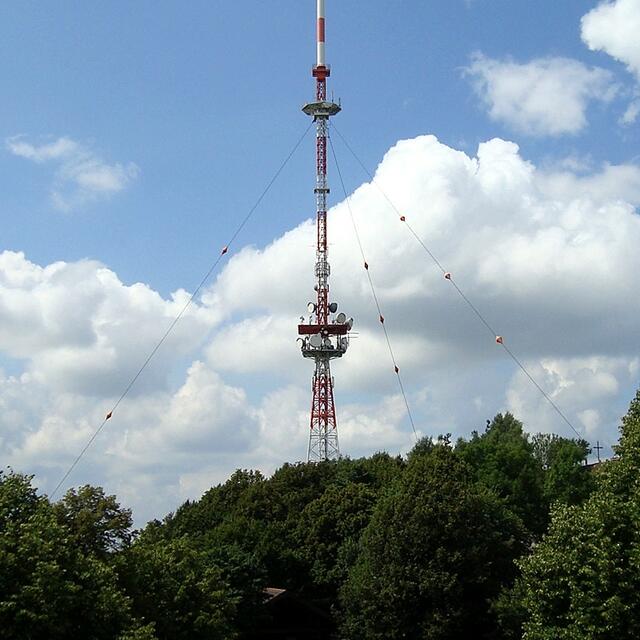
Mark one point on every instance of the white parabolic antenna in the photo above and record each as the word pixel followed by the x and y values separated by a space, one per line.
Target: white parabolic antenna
pixel 315 340
pixel 340 318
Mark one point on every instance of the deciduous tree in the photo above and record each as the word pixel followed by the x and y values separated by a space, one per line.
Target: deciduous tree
pixel 437 550
pixel 583 579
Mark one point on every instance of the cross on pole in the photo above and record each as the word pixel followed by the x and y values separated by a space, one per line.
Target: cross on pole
pixel 597 448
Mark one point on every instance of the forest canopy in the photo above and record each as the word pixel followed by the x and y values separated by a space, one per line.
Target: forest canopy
pixel 501 535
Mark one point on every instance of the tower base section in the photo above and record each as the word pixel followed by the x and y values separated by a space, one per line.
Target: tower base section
pixel 323 435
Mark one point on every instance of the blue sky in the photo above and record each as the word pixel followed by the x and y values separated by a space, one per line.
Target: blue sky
pixel 137 135
pixel 206 102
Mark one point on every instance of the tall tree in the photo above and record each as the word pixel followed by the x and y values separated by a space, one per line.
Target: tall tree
pixel 328 533
pixel 503 460
pixel 437 550
pixel 566 478
pixel 583 579
pixel 98 523
pixel 178 588
pixel 48 587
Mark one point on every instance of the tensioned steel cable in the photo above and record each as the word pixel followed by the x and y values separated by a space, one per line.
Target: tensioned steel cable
pixel 178 317
pixel 396 368
pixel 448 276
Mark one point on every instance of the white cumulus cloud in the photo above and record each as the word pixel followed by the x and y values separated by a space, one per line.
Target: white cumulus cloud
pixel 546 96
pixel 204 427
pixel 548 255
pixel 568 381
pixel 81 176
pixel 77 327
pixel 613 27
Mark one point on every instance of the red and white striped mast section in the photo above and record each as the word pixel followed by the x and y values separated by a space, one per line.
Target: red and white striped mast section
pixel 324 337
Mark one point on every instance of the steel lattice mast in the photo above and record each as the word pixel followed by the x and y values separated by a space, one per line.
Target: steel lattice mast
pixel 324 337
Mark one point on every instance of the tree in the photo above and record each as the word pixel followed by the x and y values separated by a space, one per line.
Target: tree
pixel 178 588
pixel 98 524
pixel 583 579
pixel 438 548
pixel 236 495
pixel 329 530
pixel 565 477
pixel 502 458
pixel 377 471
pixel 48 587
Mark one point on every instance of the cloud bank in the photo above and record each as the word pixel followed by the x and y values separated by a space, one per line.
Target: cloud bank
pixel 549 256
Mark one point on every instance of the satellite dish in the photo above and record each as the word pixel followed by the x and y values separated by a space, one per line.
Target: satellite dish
pixel 311 307
pixel 315 340
pixel 340 318
pixel 333 307
pixel 350 323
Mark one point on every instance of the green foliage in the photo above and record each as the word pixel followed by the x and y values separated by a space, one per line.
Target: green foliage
pixel 427 547
pixel 426 445
pixel 378 471
pixel 234 496
pixel 48 587
pixel 510 612
pixel 438 548
pixel 621 477
pixel 293 486
pixel 503 460
pixel 329 529
pixel 583 579
pixel 180 589
pixel 97 522
pixel 566 479
pixel 140 632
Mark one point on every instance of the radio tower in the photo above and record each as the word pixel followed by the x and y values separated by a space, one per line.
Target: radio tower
pixel 324 337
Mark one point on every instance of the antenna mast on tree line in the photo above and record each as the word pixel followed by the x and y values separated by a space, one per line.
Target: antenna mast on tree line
pixel 325 336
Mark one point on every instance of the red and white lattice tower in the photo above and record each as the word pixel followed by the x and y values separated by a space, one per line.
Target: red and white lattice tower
pixel 324 336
